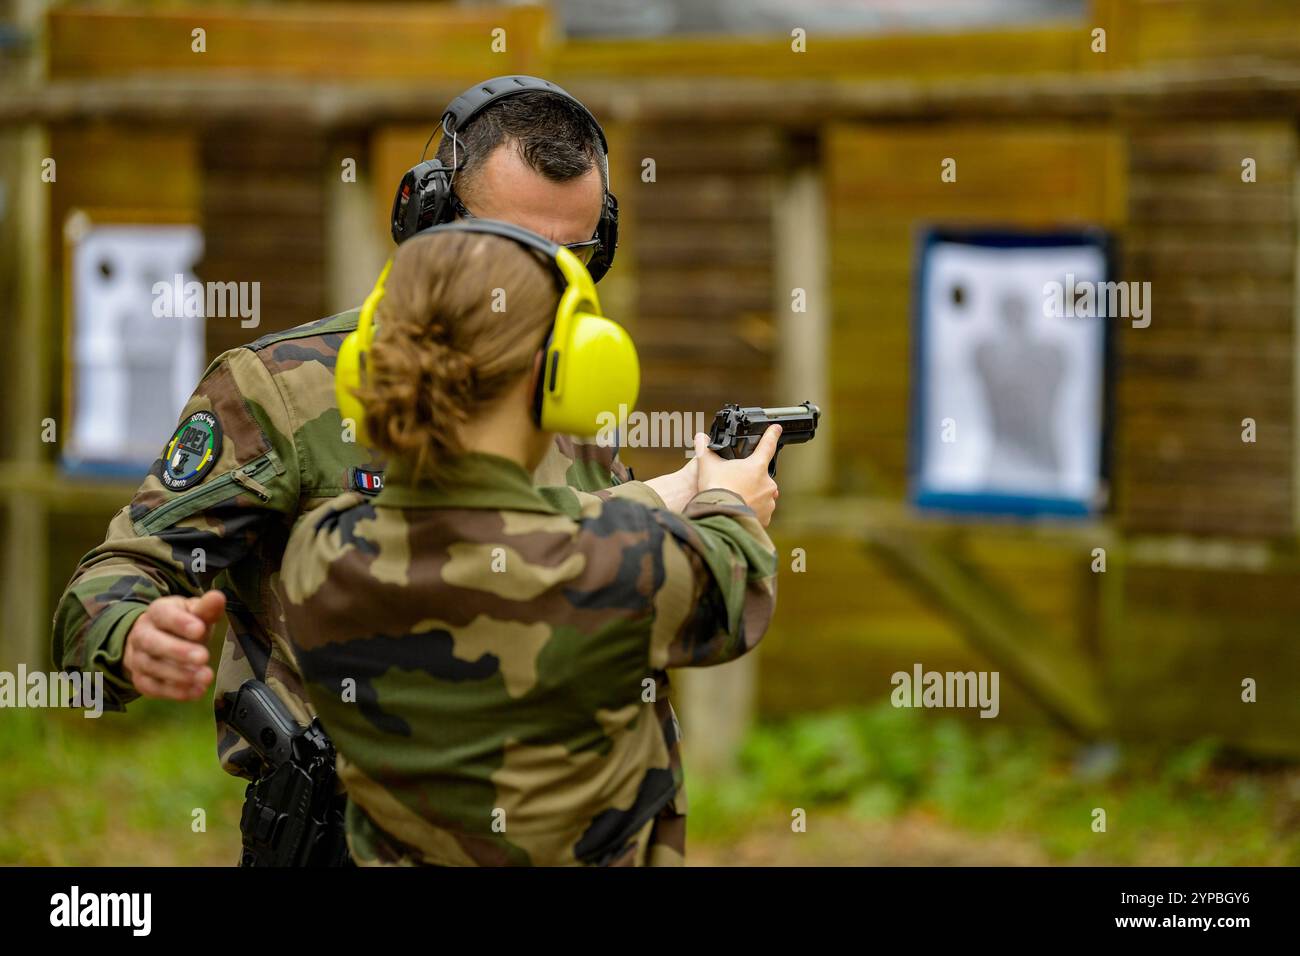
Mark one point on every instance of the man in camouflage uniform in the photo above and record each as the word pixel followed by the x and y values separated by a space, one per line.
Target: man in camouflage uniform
pixel 490 713
pixel 261 442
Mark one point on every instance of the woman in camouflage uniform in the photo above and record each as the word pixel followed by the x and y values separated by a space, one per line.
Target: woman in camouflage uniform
pixel 482 651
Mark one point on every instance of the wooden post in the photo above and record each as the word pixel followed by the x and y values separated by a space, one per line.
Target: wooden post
pixel 1295 358
pixel 24 564
pixel 720 703
pixel 803 337
pixel 354 251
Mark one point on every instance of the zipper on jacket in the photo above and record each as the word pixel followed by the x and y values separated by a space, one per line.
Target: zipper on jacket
pixel 219 489
pixel 244 478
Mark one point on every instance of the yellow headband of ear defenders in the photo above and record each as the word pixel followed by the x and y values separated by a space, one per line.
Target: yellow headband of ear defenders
pixel 589 364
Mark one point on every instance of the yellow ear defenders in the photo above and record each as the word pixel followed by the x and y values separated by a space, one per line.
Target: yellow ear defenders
pixel 590 372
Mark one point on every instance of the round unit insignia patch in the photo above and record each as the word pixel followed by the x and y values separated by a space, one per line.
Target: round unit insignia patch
pixel 192 451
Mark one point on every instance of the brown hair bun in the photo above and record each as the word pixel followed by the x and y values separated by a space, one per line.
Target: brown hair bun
pixel 462 316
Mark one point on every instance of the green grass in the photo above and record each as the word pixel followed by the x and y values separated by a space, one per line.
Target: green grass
pixel 1034 786
pixel 118 790
pixel 122 790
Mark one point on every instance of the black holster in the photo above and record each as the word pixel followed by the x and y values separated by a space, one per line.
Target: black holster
pixel 293 810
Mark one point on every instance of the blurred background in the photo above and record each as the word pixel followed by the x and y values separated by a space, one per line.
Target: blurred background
pixel 786 172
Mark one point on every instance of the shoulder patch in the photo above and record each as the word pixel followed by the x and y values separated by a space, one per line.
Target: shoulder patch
pixel 367 481
pixel 192 451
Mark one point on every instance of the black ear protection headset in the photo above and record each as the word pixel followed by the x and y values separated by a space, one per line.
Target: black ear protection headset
pixel 424 196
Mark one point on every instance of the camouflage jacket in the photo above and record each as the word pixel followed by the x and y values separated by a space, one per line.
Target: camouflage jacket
pixel 482 654
pixel 261 442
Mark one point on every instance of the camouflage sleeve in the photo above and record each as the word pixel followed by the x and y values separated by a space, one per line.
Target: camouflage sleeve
pixel 719 587
pixel 715 577
pixel 230 467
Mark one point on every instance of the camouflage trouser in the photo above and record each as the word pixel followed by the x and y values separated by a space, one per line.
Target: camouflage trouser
pixel 660 842
pixel 667 840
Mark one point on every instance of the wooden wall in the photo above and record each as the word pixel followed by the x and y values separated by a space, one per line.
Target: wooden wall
pixel 694 281
pixel 848 621
pixel 264 220
pixel 1199 30
pixel 101 169
pixel 1220 256
pixel 1183 640
pixel 703 265
pixel 883 187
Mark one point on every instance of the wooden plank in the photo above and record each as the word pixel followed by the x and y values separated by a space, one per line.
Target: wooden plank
pixel 1018 52
pixel 1197 204
pixel 350 42
pixel 1056 676
pixel 1173 257
pixel 1177 654
pixel 1214 29
pixel 1189 148
pixel 1233 90
pixel 845 625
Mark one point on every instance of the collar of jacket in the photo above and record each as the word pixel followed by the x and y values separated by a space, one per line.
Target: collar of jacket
pixel 472 480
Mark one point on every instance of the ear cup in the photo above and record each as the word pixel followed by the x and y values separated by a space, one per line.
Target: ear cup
pixel 590 365
pixel 589 370
pixel 422 200
pixel 350 365
pixel 348 374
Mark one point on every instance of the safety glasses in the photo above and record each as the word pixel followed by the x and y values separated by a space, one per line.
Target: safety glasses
pixel 583 250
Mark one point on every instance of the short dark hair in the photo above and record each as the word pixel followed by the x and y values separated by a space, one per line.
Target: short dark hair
pixel 554 137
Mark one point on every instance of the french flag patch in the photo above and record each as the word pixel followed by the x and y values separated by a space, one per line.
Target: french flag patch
pixel 367 482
